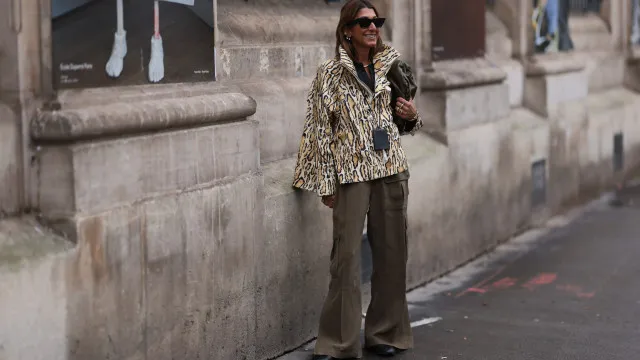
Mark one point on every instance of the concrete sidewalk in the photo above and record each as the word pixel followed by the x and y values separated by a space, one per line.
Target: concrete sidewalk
pixel 568 290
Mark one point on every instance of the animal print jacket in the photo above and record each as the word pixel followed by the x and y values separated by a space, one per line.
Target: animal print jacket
pixel 337 138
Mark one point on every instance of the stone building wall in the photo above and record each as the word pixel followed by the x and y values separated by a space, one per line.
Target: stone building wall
pixel 159 221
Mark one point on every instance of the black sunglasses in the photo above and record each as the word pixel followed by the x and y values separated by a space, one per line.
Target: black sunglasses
pixel 366 22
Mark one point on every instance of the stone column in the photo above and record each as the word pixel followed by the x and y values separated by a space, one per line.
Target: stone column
pixel 426 35
pixel 411 33
pixel 612 11
pixel 10 138
pixel 524 11
pixel 516 15
pixel 402 32
pixel 20 83
pixel 626 26
pixel 385 8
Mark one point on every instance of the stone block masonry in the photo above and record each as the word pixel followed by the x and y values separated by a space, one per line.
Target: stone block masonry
pixel 163 224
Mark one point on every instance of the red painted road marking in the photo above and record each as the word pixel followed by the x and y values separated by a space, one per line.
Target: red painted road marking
pixel 505 283
pixel 577 291
pixel 541 279
pixel 479 287
pixel 537 281
pixel 477 290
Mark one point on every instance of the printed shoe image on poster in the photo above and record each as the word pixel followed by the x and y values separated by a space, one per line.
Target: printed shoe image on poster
pixel 100 43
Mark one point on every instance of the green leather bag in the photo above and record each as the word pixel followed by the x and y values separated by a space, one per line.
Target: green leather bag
pixel 403 85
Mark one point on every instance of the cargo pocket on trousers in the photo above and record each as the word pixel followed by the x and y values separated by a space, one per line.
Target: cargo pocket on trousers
pixel 396 191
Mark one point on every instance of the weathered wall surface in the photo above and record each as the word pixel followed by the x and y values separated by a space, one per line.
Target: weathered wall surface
pixel 281 114
pixel 189 242
pixel 164 255
pixel 33 300
pixel 294 260
pixel 10 160
pixel 162 278
pixel 582 144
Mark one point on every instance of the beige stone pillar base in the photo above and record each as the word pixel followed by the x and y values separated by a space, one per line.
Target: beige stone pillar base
pixel 163 197
pixel 553 79
pixel 463 93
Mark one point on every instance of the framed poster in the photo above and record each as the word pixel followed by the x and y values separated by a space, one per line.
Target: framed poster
pixel 457 29
pixel 98 43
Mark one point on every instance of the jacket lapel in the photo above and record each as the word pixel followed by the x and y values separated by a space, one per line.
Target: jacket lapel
pixel 347 63
pixel 382 62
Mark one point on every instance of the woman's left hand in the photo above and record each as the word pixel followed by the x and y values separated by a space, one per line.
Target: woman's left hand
pixel 406 109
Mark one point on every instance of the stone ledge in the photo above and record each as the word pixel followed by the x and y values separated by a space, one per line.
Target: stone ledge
pixel 545 94
pixel 81 98
pixel 120 118
pixel 97 176
pixel 455 74
pixel 553 64
pixel 454 109
pixel 612 99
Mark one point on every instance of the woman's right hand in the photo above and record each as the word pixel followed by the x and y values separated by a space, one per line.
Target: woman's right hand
pixel 329 200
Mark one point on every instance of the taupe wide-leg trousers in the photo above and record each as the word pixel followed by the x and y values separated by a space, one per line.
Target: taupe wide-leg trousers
pixel 387 319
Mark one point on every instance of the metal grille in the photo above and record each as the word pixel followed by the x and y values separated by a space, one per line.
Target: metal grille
pixel 579 6
pixel 618 152
pixel 538 183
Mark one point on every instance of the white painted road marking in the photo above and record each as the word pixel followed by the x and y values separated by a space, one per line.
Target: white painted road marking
pixel 425 321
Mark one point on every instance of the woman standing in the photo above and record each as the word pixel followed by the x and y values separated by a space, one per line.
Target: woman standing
pixel 350 154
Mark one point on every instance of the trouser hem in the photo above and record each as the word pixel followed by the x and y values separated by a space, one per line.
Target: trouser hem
pixel 337 354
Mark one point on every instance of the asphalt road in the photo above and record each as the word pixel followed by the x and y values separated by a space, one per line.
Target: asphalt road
pixel 566 291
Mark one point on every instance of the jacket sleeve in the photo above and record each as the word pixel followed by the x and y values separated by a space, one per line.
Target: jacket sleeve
pixel 412 126
pixel 315 167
